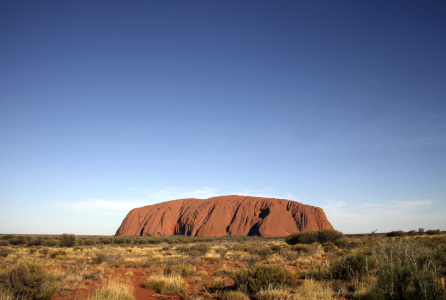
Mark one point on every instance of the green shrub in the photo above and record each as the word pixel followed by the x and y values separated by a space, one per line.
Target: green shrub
pixel 264 252
pixel 58 253
pixel 313 236
pixel 433 232
pixel 328 235
pixel 301 248
pixel 4 243
pixel 407 270
pixel 28 280
pixel 289 254
pixel 351 267
pixel 5 251
pixel 35 242
pixel 50 243
pixel 396 233
pixel 329 247
pixel 304 237
pixel 341 242
pixel 258 277
pixel 276 248
pixel 320 271
pixel 67 240
pixel 202 248
pixel 17 241
pixel 195 250
pixel 106 241
pixel 89 242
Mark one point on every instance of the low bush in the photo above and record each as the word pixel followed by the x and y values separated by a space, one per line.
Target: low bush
pixel 106 241
pixel 396 233
pixel 35 242
pixel 289 254
pixel 194 250
pixel 28 280
pixel 276 248
pixel 433 232
pixel 258 277
pixel 89 242
pixel 328 235
pixel 313 236
pixel 407 270
pixel 318 271
pixel 329 247
pixel 50 243
pixel 304 237
pixel 67 240
pixel 301 248
pixel 4 243
pixel 342 242
pixel 17 241
pixel 56 253
pixel 5 251
pixel 264 252
pixel 351 267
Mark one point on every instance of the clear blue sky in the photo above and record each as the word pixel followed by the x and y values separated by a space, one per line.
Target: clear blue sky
pixel 109 105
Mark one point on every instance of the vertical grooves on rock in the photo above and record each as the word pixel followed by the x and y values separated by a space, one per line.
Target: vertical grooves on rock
pixel 225 215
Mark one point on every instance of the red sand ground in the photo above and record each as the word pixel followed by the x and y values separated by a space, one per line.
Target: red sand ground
pixel 138 278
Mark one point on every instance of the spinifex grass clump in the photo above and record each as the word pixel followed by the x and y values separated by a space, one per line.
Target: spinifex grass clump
pixel 258 277
pixel 234 295
pixel 180 269
pixel 28 280
pixel 114 291
pixel 407 270
pixel 172 284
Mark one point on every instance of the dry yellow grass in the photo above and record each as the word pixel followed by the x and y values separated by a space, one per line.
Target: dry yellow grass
pixel 167 284
pixel 234 295
pixel 312 290
pixel 114 290
pixel 274 294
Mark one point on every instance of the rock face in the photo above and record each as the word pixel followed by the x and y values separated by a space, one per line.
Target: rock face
pixel 224 215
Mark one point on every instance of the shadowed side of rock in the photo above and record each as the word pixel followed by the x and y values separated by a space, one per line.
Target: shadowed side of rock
pixel 224 215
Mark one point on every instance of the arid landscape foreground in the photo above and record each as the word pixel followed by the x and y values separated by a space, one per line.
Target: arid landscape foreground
pixel 321 264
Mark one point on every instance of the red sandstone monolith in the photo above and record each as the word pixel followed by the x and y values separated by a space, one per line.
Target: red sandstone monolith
pixel 224 215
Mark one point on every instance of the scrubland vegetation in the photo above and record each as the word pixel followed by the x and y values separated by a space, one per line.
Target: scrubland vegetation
pixel 310 265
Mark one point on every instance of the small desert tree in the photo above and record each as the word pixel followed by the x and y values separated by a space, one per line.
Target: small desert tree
pixel 67 240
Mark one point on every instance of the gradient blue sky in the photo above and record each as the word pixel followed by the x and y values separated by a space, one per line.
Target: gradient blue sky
pixel 110 105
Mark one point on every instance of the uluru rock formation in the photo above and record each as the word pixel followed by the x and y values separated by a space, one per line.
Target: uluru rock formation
pixel 224 215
